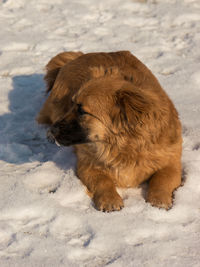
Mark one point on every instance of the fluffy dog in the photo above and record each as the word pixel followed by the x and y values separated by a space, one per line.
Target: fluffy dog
pixel 124 127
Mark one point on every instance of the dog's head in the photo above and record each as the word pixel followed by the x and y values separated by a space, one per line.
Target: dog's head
pixel 106 107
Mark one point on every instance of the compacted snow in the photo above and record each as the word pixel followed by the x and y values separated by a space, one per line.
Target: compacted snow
pixel 46 217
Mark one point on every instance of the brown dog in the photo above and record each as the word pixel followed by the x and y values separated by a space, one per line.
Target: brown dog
pixel 122 124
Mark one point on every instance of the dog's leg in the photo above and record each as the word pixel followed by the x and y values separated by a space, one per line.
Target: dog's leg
pixel 105 195
pixel 162 184
pixel 102 189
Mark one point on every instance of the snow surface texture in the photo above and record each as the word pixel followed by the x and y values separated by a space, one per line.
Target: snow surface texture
pixel 46 218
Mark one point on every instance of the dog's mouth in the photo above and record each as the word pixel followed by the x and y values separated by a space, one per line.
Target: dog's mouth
pixel 67 134
pixel 51 138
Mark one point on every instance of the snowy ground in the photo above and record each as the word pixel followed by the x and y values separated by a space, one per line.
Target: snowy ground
pixel 46 218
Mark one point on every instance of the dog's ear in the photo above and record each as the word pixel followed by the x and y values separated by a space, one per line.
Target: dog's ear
pixel 131 107
pixel 55 64
pixel 61 59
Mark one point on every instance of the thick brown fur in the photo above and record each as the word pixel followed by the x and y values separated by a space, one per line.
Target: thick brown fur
pixel 133 127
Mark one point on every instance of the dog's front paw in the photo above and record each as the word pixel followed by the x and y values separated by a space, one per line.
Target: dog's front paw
pixel 108 201
pixel 160 199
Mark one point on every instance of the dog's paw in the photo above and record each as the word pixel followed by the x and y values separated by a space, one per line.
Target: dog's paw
pixel 108 201
pixel 160 199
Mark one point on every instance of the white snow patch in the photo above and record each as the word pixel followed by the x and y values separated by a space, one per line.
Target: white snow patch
pixel 16 47
pixel 45 178
pixel 196 78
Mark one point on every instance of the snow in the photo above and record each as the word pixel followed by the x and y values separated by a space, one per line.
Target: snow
pixel 46 217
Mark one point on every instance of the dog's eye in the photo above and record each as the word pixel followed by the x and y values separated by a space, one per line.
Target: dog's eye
pixel 80 110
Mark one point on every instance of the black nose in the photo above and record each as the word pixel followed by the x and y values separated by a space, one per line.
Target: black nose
pixel 50 137
pixel 54 130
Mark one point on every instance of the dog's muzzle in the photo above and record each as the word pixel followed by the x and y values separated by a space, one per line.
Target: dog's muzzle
pixel 50 137
pixel 67 134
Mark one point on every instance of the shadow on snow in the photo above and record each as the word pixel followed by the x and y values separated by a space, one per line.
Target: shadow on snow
pixel 21 139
